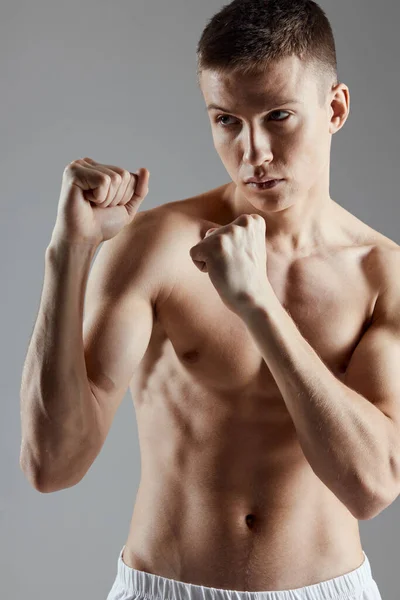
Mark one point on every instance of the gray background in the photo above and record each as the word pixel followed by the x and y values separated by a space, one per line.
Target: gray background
pixel 116 81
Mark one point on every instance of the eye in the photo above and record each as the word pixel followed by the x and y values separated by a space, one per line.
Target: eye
pixel 219 119
pixel 281 111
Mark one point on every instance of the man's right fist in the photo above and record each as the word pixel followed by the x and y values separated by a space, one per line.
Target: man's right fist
pixel 97 201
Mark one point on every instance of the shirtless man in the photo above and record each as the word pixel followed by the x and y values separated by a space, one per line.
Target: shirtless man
pixel 258 331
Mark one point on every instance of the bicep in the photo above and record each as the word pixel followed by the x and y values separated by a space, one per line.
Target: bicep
pixel 373 367
pixel 116 337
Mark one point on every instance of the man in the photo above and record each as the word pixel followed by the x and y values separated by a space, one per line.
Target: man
pixel 264 380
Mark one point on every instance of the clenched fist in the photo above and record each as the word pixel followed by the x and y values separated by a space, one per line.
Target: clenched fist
pixel 97 201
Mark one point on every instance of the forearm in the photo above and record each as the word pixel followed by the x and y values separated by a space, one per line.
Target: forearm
pixel 57 409
pixel 344 437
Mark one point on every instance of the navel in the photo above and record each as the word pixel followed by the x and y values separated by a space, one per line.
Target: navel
pixel 250 521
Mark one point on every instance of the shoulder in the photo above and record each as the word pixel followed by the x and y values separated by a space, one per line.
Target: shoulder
pixel 382 253
pixel 168 223
pixel 162 236
pixel 179 220
pixel 386 264
pixel 385 258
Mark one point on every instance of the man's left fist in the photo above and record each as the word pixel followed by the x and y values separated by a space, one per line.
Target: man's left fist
pixel 235 258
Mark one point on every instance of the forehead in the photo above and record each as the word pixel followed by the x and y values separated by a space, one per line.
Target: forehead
pixel 283 80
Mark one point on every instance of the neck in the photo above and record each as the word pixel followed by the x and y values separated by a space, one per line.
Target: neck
pixel 298 224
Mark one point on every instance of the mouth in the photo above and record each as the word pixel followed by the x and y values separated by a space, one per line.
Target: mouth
pixel 264 185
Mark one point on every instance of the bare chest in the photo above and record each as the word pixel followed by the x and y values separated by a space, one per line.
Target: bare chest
pixel 329 298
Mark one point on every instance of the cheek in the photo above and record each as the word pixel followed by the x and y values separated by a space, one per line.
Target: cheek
pixel 223 144
pixel 228 151
pixel 306 150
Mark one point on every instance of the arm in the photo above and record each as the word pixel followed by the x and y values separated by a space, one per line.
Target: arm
pixel 58 419
pixel 348 431
pixel 77 370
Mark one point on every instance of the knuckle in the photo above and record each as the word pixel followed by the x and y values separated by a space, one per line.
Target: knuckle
pixel 125 175
pixel 70 169
pixel 116 179
pixel 105 178
pixel 244 218
pixel 73 167
pixel 259 220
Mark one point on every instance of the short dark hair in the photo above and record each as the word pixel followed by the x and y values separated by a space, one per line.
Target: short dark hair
pixel 246 35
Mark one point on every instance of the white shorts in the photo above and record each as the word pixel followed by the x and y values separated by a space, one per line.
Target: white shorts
pixel 132 584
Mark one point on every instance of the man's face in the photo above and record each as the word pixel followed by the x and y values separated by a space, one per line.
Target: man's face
pixel 274 127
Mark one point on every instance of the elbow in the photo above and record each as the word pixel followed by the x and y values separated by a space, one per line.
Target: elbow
pixel 50 488
pixel 31 478
pixel 372 504
pixel 34 480
pixel 370 511
pixel 367 511
pixel 27 467
pixel 48 485
pixel 55 475
pixel 43 485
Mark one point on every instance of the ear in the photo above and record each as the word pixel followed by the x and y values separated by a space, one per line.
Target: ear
pixel 339 107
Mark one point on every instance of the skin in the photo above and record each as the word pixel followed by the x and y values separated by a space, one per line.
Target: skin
pixel 227 498
pixel 297 148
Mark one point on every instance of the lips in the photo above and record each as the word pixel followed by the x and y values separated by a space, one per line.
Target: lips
pixel 268 185
pixel 256 180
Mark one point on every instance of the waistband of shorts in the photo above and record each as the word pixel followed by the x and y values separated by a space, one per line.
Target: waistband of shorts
pixel 155 587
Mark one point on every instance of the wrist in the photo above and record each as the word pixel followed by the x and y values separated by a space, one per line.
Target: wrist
pixel 59 242
pixel 61 249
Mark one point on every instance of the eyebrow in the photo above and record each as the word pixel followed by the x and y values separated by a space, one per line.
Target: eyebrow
pixel 216 107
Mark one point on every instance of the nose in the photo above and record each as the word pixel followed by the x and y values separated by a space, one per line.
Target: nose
pixel 257 149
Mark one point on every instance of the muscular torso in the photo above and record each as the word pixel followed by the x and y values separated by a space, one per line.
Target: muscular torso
pixel 227 498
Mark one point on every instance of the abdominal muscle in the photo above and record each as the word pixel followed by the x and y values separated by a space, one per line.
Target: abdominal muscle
pixel 227 498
